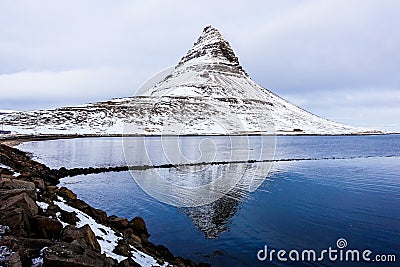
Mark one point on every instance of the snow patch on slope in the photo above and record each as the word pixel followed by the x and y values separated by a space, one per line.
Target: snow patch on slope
pixel 108 240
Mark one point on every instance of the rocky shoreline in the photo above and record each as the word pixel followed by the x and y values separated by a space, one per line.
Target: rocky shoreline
pixel 42 224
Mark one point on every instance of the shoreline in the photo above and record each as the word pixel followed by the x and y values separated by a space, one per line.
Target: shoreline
pixel 47 225
pixel 15 140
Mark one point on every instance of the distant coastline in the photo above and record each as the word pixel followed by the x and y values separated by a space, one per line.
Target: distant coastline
pixel 15 140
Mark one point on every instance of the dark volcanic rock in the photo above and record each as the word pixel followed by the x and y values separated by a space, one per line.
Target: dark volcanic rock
pixel 47 228
pixel 118 223
pixel 138 226
pixel 73 255
pixel 39 183
pixel 99 215
pixel 17 219
pixel 128 263
pixel 83 236
pixel 68 194
pixel 123 249
pixel 164 251
pixel 22 201
pixel 11 187
pixel 68 217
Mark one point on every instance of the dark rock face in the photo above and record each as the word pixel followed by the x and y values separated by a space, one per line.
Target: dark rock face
pixel 83 236
pixel 66 193
pixel 211 44
pixel 99 215
pixel 73 255
pixel 17 219
pixel 47 228
pixel 123 249
pixel 21 201
pixel 128 262
pixel 118 223
pixel 68 217
pixel 138 226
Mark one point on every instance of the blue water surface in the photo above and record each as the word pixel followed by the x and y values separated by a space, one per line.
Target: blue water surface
pixel 348 187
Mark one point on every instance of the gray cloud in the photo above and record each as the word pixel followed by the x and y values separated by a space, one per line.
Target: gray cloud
pixel 72 52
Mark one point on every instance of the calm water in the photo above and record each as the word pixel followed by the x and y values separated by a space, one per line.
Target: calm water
pixel 304 204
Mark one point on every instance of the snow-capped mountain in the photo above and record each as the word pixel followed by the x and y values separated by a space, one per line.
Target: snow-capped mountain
pixel 208 92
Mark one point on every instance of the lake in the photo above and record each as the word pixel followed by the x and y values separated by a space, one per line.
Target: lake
pixel 307 193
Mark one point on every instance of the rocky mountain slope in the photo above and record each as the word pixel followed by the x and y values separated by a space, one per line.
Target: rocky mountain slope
pixel 208 92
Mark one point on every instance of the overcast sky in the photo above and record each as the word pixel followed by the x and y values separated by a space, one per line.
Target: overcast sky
pixel 337 59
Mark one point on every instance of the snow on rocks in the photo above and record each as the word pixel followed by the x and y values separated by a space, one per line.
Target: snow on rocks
pixel 107 237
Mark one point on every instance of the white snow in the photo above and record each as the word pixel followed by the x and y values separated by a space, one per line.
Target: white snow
pixel 108 239
pixel 143 259
pixel 42 205
pixel 37 262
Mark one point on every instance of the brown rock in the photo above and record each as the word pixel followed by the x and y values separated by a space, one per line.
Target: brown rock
pixel 52 188
pixel 83 236
pixel 66 193
pixel 17 219
pixel 73 255
pixel 39 183
pixel 22 201
pixel 123 249
pixel 99 215
pixel 7 193
pixel 69 217
pixel 184 262
pixel 13 260
pixel 118 223
pixel 18 243
pixel 164 251
pixel 178 262
pixel 128 263
pixel 47 228
pixel 52 210
pixel 135 241
pixel 138 226
pixel 10 187
pixel 16 184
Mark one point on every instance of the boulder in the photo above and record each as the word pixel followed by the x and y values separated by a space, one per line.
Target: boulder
pixel 123 249
pixel 135 241
pixel 73 255
pixel 10 259
pixel 21 201
pixel 39 183
pixel 16 184
pixel 10 187
pixel 7 193
pixel 165 253
pixel 17 219
pixel 138 226
pixel 52 211
pixel 99 215
pixel 129 262
pixel 83 236
pixel 47 227
pixel 118 223
pixel 69 217
pixel 66 193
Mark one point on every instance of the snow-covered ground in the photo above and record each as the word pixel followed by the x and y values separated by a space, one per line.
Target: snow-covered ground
pixel 208 92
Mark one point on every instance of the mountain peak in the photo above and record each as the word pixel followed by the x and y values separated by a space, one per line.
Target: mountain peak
pixel 211 47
